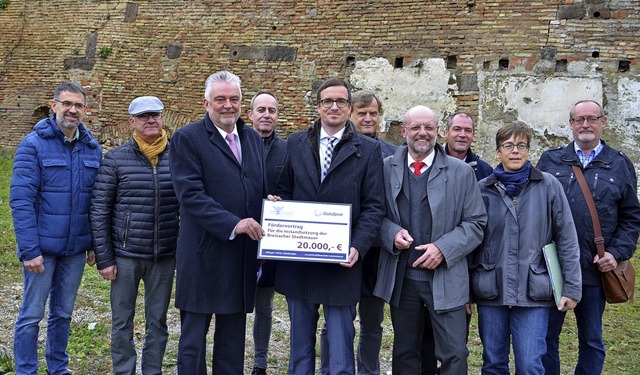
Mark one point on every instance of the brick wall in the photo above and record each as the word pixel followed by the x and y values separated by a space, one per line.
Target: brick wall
pixel 168 48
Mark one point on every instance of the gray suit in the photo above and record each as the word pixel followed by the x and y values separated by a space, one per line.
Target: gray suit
pixel 458 218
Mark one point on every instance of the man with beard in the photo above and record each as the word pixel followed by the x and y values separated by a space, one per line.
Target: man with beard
pixel 217 168
pixel 435 217
pixel 263 113
pixel 459 136
pixel 53 172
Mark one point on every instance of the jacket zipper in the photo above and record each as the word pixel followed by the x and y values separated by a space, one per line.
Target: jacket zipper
pixel 155 214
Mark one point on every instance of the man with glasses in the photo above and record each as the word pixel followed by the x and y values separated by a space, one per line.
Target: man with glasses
pixel 459 135
pixel 330 162
pixel 53 172
pixel 435 217
pixel 612 182
pixel 366 114
pixel 134 223
pixel 217 167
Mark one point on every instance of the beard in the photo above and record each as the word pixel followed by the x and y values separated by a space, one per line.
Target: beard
pixel 419 149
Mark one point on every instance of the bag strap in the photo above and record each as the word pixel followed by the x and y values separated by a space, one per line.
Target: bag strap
pixel 597 231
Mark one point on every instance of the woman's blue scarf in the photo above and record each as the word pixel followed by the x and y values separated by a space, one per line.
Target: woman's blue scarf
pixel 513 181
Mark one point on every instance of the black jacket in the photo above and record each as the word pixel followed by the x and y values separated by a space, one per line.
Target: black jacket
pixel 134 210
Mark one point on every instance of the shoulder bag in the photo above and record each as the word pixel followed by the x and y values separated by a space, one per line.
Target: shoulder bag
pixel 618 284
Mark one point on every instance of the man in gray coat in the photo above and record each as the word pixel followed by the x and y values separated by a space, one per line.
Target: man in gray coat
pixel 434 218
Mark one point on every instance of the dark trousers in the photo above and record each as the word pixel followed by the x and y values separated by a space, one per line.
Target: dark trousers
pixel 449 330
pixel 228 343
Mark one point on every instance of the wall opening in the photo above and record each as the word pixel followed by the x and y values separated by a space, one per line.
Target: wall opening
pixel 561 65
pixel 595 54
pixel 452 62
pixel 399 62
pixel 503 63
pixel 486 65
pixel 351 62
pixel 624 65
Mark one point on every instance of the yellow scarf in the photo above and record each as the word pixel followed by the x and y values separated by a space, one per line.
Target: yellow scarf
pixel 151 151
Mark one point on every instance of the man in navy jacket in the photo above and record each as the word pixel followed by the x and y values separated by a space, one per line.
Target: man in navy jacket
pixel 218 175
pixel 354 176
pixel 612 182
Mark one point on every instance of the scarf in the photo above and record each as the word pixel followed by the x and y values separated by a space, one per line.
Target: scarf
pixel 513 181
pixel 151 151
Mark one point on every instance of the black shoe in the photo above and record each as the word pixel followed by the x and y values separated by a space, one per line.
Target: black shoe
pixel 259 371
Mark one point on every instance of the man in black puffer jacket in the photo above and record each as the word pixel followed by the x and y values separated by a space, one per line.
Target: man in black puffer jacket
pixel 134 223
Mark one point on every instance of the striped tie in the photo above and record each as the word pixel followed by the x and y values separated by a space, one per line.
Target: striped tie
pixel 326 163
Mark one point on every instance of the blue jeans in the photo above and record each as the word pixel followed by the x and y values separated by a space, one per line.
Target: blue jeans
pixel 59 282
pixel 591 351
pixel 525 327
pixel 158 281
pixel 262 326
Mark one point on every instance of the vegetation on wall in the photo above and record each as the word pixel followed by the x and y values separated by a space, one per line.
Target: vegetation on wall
pixel 4 4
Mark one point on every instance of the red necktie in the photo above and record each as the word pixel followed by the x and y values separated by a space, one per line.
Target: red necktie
pixel 417 167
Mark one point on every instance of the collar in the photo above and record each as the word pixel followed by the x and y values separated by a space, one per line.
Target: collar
pixel 428 160
pixel 338 135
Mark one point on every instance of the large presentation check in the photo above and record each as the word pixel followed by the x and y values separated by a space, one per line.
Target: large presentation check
pixel 305 231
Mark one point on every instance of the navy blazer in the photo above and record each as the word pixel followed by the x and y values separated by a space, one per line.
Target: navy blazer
pixel 355 177
pixel 215 274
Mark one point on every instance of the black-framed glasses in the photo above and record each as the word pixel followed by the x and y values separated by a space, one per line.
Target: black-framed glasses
pixel 509 146
pixel 328 103
pixel 416 128
pixel 67 104
pixel 580 120
pixel 144 117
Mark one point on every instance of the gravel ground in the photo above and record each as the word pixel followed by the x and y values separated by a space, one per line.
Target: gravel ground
pixel 91 310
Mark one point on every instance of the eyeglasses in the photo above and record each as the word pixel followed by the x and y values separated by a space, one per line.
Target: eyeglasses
pixel 144 117
pixel 328 103
pixel 580 120
pixel 221 100
pixel 417 128
pixel 509 146
pixel 67 105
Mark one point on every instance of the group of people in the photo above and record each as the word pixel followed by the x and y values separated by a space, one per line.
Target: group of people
pixel 435 230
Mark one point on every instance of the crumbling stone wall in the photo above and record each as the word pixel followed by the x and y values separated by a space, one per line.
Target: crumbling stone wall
pixel 464 54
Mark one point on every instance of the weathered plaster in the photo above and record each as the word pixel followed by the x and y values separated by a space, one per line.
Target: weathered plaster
pixel 423 82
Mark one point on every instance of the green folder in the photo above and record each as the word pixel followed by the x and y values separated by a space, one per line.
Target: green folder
pixel 555 272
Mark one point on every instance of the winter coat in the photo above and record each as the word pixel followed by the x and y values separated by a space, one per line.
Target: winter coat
pixel 355 177
pixel 611 178
pixel 458 220
pixel 509 267
pixel 51 190
pixel 134 209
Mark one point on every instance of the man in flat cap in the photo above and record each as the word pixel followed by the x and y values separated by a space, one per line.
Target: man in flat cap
pixel 134 223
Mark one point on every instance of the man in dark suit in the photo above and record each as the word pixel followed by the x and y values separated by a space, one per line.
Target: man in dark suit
pixel 263 113
pixel 350 174
pixel 217 168
pixel 366 115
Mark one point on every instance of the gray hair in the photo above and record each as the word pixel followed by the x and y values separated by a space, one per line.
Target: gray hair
pixel 221 76
pixel 70 87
